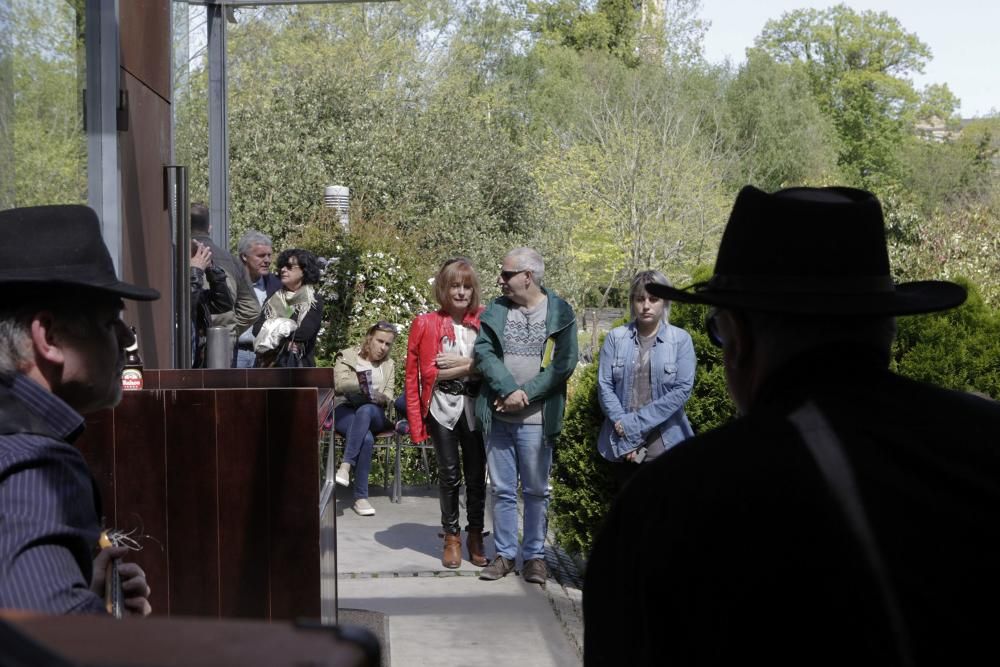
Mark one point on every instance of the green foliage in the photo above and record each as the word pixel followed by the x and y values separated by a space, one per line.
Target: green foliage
pixel 582 485
pixel 858 65
pixel 43 152
pixel 958 349
pixel 777 126
pixel 363 284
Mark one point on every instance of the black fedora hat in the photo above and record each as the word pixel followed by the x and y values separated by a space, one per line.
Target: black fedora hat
pixel 60 245
pixel 810 250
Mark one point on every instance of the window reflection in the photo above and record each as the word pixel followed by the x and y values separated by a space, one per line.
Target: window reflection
pixel 43 150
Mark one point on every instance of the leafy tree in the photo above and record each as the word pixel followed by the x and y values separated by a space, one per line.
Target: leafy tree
pixel 858 64
pixel 777 126
pixel 41 120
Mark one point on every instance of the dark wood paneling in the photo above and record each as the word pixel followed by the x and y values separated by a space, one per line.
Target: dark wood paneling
pixel 192 501
pixel 97 444
pixel 294 503
pixel 145 42
pixel 228 481
pixel 141 487
pixel 143 151
pixel 243 509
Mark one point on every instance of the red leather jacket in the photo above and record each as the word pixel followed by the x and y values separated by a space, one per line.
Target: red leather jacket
pixel 422 346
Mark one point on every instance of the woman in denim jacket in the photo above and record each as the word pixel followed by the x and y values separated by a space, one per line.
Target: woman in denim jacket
pixel 645 377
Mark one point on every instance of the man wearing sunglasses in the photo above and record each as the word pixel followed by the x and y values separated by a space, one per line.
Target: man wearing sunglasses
pixel 849 516
pixel 526 350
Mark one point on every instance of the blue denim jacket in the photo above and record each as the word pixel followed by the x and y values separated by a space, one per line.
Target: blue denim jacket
pixel 672 363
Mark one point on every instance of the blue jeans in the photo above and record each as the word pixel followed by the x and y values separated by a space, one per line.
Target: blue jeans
pixel 244 358
pixel 519 451
pixel 359 425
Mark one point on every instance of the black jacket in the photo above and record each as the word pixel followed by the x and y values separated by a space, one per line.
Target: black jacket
pixel 730 548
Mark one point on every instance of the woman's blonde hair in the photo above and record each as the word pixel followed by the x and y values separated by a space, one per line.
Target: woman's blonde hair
pixel 366 344
pixel 457 270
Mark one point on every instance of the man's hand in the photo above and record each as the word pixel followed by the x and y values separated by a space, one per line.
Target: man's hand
pixel 134 587
pixel 202 258
pixel 515 401
pixel 619 429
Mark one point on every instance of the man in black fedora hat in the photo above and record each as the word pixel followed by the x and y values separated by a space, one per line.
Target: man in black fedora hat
pixel 62 344
pixel 849 516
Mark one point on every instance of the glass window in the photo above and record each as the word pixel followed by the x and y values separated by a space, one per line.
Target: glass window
pixel 43 148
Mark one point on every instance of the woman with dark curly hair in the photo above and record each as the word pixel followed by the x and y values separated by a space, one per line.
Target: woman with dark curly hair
pixel 285 334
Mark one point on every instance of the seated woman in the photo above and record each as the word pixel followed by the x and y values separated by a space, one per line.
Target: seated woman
pixel 363 389
pixel 291 318
pixel 441 386
pixel 644 378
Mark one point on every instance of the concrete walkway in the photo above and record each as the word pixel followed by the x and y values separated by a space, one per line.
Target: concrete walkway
pixel 391 563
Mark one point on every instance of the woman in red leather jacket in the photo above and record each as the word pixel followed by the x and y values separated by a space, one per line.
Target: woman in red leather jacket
pixel 441 389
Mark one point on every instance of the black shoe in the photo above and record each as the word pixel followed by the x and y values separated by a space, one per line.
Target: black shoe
pixel 535 571
pixel 498 569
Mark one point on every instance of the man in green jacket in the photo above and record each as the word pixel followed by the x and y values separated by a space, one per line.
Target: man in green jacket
pixel 526 350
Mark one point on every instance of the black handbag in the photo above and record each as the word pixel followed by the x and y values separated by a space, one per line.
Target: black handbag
pixel 288 358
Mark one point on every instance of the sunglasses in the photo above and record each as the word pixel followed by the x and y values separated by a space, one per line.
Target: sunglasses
pixel 507 275
pixel 382 325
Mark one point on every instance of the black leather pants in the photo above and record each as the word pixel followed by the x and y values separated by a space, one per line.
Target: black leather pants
pixel 446 444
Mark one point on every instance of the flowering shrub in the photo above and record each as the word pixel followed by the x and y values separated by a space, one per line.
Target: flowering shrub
pixel 361 287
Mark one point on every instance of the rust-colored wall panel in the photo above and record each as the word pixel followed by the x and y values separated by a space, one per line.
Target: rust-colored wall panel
pixel 227 480
pixel 145 42
pixel 294 504
pixel 243 512
pixel 192 501
pixel 97 444
pixel 141 487
pixel 143 150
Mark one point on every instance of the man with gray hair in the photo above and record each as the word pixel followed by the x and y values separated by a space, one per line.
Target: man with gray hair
pixel 62 343
pixel 526 350
pixel 255 253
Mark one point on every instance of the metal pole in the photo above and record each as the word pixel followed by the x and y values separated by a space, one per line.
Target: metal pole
pixel 218 139
pixel 180 218
pixel 103 74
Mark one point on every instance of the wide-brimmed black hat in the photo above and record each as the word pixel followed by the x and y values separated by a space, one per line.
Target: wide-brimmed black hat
pixel 60 245
pixel 810 250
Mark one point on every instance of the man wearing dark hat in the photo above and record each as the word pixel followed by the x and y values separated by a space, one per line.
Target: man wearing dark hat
pixel 849 516
pixel 62 344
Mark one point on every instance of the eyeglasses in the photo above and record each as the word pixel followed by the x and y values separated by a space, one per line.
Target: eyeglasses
pixel 289 265
pixel 712 326
pixel 507 275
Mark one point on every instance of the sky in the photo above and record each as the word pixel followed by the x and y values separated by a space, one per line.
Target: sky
pixel 963 35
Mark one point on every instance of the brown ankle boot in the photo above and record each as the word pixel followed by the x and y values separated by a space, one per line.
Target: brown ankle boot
pixel 474 543
pixel 452 556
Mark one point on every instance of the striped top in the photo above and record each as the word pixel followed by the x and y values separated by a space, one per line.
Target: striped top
pixel 48 509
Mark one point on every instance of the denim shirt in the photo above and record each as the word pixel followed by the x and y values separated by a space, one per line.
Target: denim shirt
pixel 672 364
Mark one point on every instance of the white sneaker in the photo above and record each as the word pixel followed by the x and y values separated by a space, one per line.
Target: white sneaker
pixel 363 507
pixel 343 475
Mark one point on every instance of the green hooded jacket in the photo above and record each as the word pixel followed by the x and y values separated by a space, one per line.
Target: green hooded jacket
pixel 557 363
